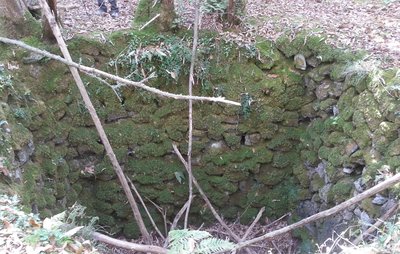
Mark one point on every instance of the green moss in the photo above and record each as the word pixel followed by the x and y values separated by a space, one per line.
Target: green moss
pixel 85 137
pixel 235 173
pixel 269 55
pixel 153 171
pixel 131 230
pixel 339 72
pixel 107 191
pixel 272 176
pixel 20 136
pixel 316 183
pixel 370 208
pixel 340 191
pixel 153 149
pixel 281 199
pixel 238 155
pixel 280 143
pixel 232 140
pixel 145 11
pixel 282 160
pixel 222 184
pixel 361 135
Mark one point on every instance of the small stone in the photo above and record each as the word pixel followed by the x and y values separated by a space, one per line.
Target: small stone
pixel 351 148
pixel 379 200
pixel 387 206
pixel 323 89
pixel 366 220
pixel 347 215
pixel 347 170
pixel 32 58
pixel 313 61
pixel 357 212
pixel 217 146
pixel 252 139
pixel 359 185
pixel 300 62
pixel 323 192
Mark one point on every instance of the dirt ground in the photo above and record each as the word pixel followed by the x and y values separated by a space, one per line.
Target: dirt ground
pixel 371 25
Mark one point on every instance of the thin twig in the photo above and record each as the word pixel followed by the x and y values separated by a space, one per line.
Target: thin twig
pixel 128 245
pixel 191 82
pixel 205 198
pixel 176 219
pixel 149 22
pixel 253 224
pixel 145 207
pixel 123 81
pixel 106 83
pixel 89 105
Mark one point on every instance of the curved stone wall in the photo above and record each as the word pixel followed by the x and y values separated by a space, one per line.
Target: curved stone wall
pixel 321 128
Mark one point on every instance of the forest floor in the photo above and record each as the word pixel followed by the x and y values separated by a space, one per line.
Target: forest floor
pixel 370 25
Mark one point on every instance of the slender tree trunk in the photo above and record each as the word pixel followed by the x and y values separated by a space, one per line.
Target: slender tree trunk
pixel 47 32
pixel 167 15
pixel 231 11
pixel 13 10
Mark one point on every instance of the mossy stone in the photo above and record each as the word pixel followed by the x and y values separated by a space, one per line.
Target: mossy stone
pixel 269 54
pixel 340 191
pixel 153 171
pixel 370 208
pixel 271 176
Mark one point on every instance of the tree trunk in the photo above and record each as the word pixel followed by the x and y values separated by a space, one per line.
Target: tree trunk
pixel 14 19
pixel 167 15
pixel 47 32
pixel 235 9
pixel 13 10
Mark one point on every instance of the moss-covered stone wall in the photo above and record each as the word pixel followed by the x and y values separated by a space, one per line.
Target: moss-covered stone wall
pixel 314 129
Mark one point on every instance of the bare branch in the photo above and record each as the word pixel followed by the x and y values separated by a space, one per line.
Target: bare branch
pixel 145 208
pixel 253 224
pixel 191 82
pixel 116 78
pixel 127 245
pixel 205 198
pixel 117 168
pixel 149 22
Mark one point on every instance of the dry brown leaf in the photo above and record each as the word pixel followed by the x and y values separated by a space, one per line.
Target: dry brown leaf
pixel 33 223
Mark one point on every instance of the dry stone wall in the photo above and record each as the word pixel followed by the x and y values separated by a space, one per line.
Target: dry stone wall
pixel 321 127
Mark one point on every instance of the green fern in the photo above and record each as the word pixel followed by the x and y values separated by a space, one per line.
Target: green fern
pixel 213 245
pixel 195 241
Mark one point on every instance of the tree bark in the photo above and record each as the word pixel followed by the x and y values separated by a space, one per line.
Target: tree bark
pixel 13 10
pixel 47 32
pixel 167 15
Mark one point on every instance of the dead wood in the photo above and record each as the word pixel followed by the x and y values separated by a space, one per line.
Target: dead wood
pixel 128 245
pixel 97 123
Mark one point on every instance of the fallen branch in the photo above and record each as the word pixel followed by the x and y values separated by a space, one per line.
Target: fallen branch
pixel 376 189
pixel 127 245
pixel 88 103
pixel 116 78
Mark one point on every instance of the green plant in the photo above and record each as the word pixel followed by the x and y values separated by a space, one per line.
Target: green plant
pixel 214 6
pixel 5 80
pixel 245 108
pixel 196 241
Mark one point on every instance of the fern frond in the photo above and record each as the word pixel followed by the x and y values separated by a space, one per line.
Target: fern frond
pixel 181 237
pixel 213 245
